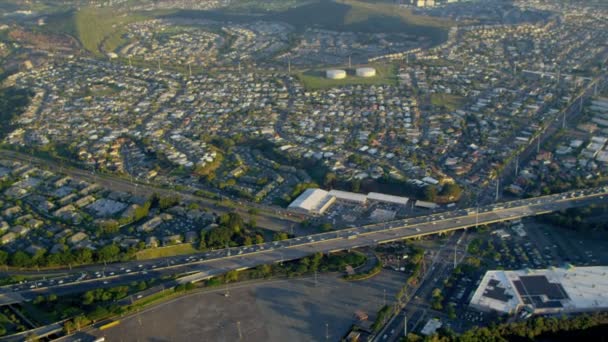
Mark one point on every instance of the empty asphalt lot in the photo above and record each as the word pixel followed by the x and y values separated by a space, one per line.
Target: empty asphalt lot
pixel 284 310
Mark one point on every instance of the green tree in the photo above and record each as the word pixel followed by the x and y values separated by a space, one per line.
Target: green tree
pixel 108 253
pixel 21 259
pixel 3 257
pixel 429 193
pixel 231 276
pixel 280 236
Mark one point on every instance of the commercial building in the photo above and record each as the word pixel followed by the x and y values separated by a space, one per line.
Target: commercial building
pixel 312 201
pixel 317 201
pixel 546 291
pixel 426 205
pixel 351 197
pixel 378 197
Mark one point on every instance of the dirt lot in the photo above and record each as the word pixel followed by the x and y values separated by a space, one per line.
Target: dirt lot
pixel 286 310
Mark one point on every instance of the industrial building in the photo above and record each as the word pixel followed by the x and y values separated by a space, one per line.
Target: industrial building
pixel 546 291
pixel 335 74
pixel 312 201
pixel 427 205
pixel 390 199
pixel 346 196
pixel 366 72
pixel 317 201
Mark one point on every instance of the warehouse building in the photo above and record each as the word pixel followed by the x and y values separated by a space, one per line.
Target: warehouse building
pixel 317 201
pixel 350 197
pixel 312 201
pixel 546 291
pixel 390 199
pixel 427 205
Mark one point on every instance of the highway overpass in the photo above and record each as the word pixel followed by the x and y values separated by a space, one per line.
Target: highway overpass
pixel 202 266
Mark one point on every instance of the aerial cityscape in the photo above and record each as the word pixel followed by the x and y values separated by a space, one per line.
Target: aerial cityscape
pixel 303 170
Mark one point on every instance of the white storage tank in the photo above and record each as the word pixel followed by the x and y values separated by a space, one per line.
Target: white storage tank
pixel 335 74
pixel 366 72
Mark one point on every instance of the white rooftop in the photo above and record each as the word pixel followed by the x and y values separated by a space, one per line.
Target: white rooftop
pixel 574 289
pixel 375 196
pixel 348 196
pixel 311 200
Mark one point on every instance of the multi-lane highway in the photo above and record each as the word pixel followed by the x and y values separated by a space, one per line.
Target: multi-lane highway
pixel 205 265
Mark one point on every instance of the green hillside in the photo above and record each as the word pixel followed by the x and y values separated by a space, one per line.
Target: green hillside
pixel 339 15
pixel 98 29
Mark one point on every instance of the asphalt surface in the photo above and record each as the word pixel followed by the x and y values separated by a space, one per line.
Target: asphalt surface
pixel 213 263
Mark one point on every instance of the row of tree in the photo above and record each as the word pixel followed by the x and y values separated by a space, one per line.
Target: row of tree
pixel 42 258
pixel 539 328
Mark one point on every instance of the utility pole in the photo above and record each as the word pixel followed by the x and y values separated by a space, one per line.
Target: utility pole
pixel 238 327
pixel 497 188
pixel 384 299
pixel 404 325
pixel 564 120
pixel 595 89
pixel 289 64
pixel 516 165
pixel 159 68
pixel 327 331
pixel 239 67
pixel 350 64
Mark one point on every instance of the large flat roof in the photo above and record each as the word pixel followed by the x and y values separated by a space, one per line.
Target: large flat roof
pixel 569 289
pixel 349 196
pixel 311 200
pixel 376 196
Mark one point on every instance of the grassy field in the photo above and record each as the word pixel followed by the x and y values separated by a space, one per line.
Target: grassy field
pixel 449 101
pixel 245 6
pixel 315 79
pixel 98 30
pixel 102 28
pixel 161 252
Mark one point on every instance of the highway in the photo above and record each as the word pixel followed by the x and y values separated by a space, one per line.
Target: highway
pixel 204 265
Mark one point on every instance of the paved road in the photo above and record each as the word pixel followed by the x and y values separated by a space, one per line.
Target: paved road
pixel 213 263
pixel 272 218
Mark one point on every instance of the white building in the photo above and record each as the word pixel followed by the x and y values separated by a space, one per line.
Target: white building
pixel 351 197
pixel 427 205
pixel 312 201
pixel 378 197
pixel 572 289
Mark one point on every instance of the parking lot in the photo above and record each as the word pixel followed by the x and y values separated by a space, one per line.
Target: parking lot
pixel 285 310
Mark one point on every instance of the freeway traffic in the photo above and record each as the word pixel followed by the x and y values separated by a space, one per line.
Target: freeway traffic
pixel 204 265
